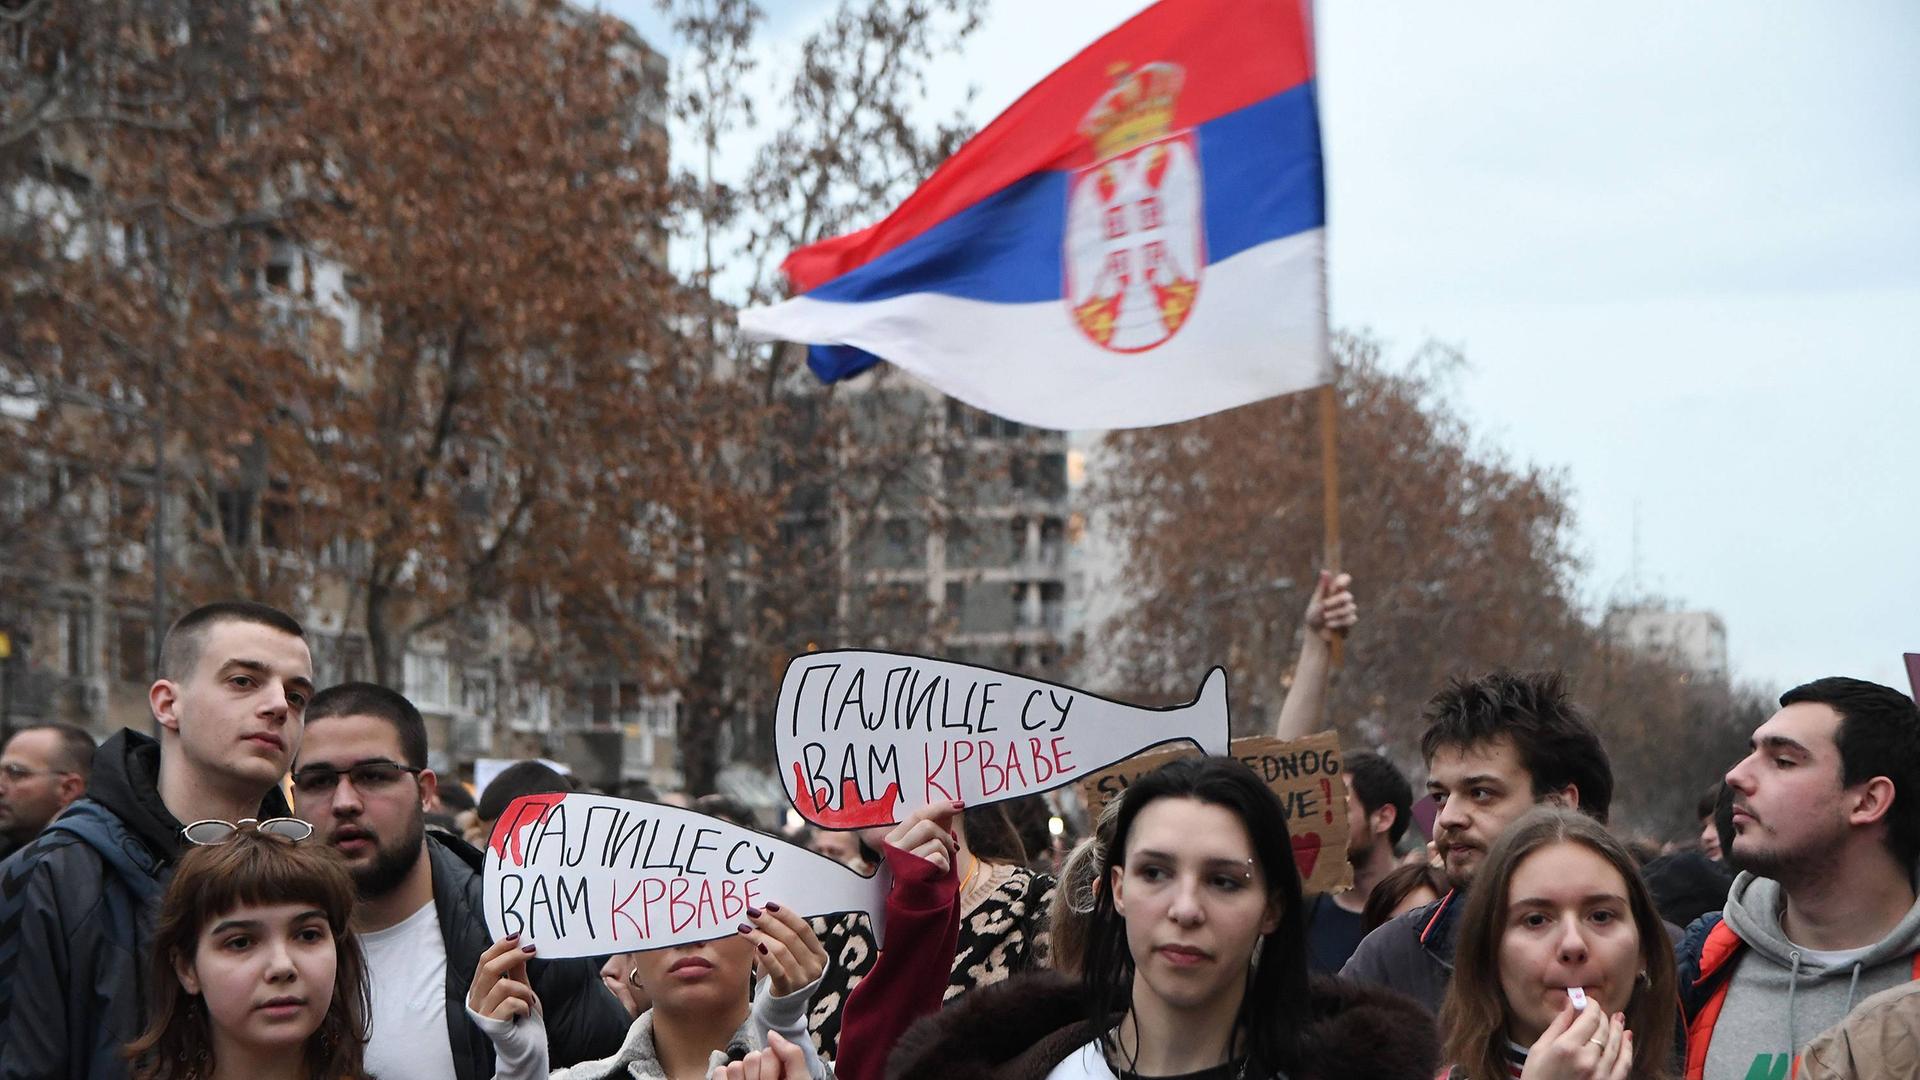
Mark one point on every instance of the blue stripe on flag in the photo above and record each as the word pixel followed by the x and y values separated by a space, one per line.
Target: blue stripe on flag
pixel 1261 168
pixel 835 362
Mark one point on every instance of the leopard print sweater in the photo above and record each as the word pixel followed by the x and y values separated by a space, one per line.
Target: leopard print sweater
pixel 1002 933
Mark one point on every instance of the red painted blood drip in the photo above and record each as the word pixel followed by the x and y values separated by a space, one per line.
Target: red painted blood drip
pixel 522 814
pixel 854 813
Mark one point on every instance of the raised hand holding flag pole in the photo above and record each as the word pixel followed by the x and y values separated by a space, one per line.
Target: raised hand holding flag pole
pixel 1138 240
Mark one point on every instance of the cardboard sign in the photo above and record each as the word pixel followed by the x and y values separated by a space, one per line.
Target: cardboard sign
pixel 588 875
pixel 1913 673
pixel 1304 773
pixel 864 738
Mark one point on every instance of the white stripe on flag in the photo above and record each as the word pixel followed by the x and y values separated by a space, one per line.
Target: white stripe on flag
pixel 1258 329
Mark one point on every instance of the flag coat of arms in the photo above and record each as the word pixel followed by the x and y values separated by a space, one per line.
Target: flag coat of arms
pixel 1138 240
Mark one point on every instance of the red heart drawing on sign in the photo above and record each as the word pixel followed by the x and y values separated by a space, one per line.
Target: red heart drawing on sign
pixel 1306 853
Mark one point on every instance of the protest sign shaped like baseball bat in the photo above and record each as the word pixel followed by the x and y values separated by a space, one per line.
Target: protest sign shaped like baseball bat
pixel 589 875
pixel 863 738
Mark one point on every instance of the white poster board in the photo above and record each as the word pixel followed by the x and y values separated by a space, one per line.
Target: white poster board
pixel 863 738
pixel 589 875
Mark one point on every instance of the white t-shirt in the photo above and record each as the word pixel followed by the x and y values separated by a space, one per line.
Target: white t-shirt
pixel 407 974
pixel 1086 1063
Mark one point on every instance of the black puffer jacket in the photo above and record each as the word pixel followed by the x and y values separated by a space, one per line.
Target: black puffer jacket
pixel 76 920
pixel 584 1020
pixel 1022 1028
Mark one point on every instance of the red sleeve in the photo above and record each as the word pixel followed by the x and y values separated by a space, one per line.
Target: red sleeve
pixel 909 978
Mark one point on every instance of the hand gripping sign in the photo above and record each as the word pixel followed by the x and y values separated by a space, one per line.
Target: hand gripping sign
pixel 589 875
pixel 862 738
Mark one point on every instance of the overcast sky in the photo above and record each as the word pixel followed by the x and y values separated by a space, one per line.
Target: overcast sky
pixel 1679 245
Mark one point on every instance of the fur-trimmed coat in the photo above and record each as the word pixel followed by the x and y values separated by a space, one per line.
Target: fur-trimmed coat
pixel 1022 1028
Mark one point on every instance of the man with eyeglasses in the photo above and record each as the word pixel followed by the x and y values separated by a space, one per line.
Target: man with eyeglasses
pixel 42 771
pixel 362 781
pixel 76 904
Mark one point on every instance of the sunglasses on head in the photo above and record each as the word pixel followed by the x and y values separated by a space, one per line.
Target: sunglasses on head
pixel 215 831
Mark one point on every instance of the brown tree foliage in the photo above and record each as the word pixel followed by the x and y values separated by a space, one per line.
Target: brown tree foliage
pixel 390 283
pixel 1464 561
pixel 137 222
pixel 827 466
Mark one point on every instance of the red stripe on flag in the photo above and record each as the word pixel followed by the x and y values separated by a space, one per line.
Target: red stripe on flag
pixel 1234 53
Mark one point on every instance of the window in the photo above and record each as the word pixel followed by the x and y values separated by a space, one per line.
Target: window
pixel 279 518
pixel 77 635
pixel 476 690
pixel 234 509
pixel 132 647
pixel 427 677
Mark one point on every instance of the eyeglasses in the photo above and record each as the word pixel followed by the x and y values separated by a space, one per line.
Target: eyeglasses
pixel 214 831
pixel 367 776
pixel 13 773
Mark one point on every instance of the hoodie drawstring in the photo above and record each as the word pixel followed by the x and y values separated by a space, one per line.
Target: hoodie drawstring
pixel 1793 983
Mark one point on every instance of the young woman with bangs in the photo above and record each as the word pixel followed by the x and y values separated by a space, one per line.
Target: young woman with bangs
pixel 255 974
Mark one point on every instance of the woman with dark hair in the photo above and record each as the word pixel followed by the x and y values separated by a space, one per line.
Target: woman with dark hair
pixel 1195 964
pixel 1404 888
pixel 256 974
pixel 1563 969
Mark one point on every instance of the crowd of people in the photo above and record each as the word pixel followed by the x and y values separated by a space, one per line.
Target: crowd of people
pixel 279 885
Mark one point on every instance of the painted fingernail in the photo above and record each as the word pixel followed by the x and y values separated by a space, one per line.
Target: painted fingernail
pixel 744 928
pixel 959 804
pixel 528 948
pixel 771 906
pixel 515 936
pixel 761 947
pixel 753 913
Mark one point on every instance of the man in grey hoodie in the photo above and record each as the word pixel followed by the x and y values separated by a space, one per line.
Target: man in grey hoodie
pixel 1826 820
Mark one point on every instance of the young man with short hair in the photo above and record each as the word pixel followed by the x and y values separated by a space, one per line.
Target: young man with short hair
pixel 43 769
pixel 76 903
pixel 1379 807
pixel 362 781
pixel 1495 747
pixel 1826 834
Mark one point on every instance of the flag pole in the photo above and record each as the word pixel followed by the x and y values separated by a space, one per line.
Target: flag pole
pixel 1330 490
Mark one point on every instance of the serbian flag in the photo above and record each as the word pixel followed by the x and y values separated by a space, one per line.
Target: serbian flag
pixel 1138 240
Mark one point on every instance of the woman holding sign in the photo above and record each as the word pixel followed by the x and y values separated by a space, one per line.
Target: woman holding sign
pixel 704 1011
pixel 1564 970
pixel 703 1025
pixel 1195 964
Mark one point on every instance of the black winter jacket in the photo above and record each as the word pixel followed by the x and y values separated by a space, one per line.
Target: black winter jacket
pixel 76 920
pixel 1022 1028
pixel 584 1020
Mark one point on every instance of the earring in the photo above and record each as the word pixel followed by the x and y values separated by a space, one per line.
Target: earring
pixel 1643 980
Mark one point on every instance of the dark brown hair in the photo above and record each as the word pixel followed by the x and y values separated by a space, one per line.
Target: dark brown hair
pixel 1399 884
pixel 1474 1016
pixel 250 868
pixel 1555 742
